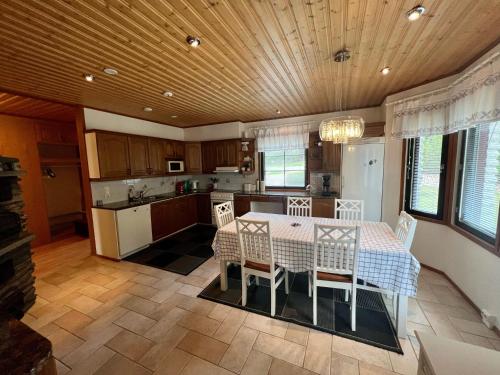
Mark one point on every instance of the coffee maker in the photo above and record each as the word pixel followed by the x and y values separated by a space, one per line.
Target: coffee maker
pixel 326 185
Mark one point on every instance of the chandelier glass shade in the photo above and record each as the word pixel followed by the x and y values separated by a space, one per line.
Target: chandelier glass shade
pixel 341 129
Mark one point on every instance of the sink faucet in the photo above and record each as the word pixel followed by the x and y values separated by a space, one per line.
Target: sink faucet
pixel 308 188
pixel 143 192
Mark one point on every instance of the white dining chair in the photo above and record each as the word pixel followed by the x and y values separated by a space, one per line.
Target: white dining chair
pixel 405 229
pixel 349 209
pixel 336 263
pixel 257 257
pixel 299 206
pixel 224 213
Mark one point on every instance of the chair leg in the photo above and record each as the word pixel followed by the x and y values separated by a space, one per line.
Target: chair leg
pixel 315 304
pixel 273 295
pixel 353 310
pixel 243 287
pixel 287 289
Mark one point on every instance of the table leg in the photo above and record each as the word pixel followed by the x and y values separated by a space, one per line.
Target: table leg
pixel 223 275
pixel 401 315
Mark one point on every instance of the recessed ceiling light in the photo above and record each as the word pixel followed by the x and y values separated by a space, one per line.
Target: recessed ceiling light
pixel 385 70
pixel 193 41
pixel 168 94
pixel 415 13
pixel 148 109
pixel 342 55
pixel 110 71
pixel 89 77
pixel 174 116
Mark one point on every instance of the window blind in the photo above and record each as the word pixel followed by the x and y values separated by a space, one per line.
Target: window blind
pixel 425 178
pixel 480 185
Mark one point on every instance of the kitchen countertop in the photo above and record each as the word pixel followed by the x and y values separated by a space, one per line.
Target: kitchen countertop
pixel 284 193
pixel 122 205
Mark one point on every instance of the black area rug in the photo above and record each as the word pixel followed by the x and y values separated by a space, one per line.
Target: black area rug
pixel 373 323
pixel 181 253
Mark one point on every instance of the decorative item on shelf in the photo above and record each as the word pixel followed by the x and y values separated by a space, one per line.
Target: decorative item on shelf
pixel 244 146
pixel 214 181
pixel 247 165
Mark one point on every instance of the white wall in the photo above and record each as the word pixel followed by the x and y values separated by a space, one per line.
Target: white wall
pixel 226 130
pixel 109 121
pixel 474 269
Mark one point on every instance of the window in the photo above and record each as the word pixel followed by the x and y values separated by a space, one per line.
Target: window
pixel 478 193
pixel 426 160
pixel 285 168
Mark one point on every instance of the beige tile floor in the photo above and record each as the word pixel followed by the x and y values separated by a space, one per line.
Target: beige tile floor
pixel 108 317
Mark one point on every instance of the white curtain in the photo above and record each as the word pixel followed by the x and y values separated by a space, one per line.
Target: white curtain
pixel 287 137
pixel 471 99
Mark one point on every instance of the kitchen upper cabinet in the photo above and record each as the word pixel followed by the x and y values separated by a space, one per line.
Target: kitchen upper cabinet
pixel 193 157
pixel 138 155
pixel 323 207
pixel 232 152
pixel 220 154
pixel 315 152
pixel 56 133
pixel 169 149
pixel 209 157
pixel 156 149
pixel 332 156
pixel 179 150
pixel 112 156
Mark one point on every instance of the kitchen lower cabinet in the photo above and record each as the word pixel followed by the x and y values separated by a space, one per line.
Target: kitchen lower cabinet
pixel 241 205
pixel 204 209
pixel 323 207
pixel 172 215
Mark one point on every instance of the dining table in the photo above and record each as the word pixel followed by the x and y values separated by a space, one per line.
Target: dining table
pixel 384 264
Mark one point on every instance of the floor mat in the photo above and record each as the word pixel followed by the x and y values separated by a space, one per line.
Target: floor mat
pixel 373 323
pixel 181 253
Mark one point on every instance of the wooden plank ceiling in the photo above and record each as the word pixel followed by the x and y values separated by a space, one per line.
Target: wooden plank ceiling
pixel 255 56
pixel 15 105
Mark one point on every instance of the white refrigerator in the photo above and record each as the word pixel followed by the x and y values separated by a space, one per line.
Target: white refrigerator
pixel 363 175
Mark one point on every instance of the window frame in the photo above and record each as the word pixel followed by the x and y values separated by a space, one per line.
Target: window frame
pixel 289 188
pixel 492 244
pixel 443 180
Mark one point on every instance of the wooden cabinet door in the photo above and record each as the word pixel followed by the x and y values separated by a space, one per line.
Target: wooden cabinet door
pixel 139 157
pixel 332 156
pixel 241 205
pixel 51 133
pixel 204 209
pixel 169 149
pixel 232 152
pixel 113 155
pixel 193 157
pixel 209 157
pixel 322 207
pixel 156 156
pixel 220 154
pixel 159 219
pixel 179 150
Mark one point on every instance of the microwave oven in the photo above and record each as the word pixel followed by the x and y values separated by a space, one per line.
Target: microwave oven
pixel 175 166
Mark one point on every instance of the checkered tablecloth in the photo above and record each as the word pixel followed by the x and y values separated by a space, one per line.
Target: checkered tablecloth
pixel 383 260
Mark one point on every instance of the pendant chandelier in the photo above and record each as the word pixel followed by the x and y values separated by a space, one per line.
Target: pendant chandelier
pixel 342 128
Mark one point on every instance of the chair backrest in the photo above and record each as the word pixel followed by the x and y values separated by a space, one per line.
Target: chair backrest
pixel 255 241
pixel 224 213
pixel 405 229
pixel 299 206
pixel 349 209
pixel 336 249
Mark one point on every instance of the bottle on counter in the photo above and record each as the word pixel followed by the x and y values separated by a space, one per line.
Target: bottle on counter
pixel 257 185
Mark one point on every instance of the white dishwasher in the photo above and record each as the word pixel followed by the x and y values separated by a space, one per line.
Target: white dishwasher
pixel 134 228
pixel 119 233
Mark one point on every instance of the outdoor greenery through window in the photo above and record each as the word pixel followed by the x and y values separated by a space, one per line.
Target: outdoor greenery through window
pixel 285 168
pixel 425 175
pixel 479 181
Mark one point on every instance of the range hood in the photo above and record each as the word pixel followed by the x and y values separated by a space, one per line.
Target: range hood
pixel 227 169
